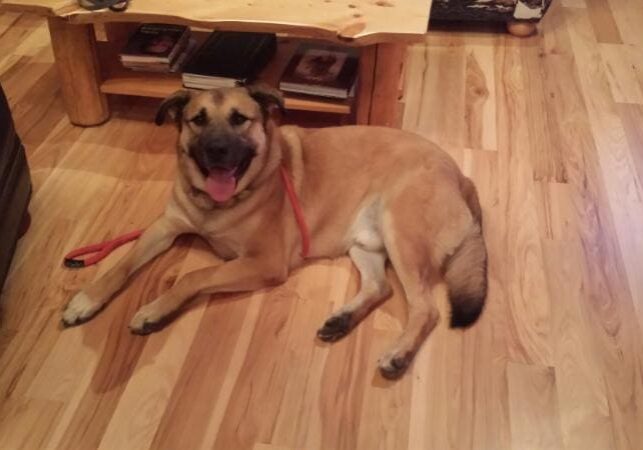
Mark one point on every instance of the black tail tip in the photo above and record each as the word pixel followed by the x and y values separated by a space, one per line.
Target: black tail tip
pixel 465 312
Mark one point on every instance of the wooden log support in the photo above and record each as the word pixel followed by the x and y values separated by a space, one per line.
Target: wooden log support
pixel 76 58
pixel 380 71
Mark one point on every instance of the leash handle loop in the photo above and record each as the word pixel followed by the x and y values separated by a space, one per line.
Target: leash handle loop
pixel 98 251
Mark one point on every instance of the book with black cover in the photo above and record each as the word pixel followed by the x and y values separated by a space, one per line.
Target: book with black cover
pixel 323 70
pixel 228 58
pixel 155 42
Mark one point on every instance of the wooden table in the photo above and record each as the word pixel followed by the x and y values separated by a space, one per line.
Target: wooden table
pixel 89 69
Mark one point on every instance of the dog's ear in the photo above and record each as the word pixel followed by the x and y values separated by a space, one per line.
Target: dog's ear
pixel 267 97
pixel 173 105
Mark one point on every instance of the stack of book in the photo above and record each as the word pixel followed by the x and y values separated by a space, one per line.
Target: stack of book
pixel 156 47
pixel 228 59
pixel 321 70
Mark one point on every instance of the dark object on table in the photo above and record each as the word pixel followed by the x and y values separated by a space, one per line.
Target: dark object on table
pixel 15 188
pixel 95 5
pixel 322 70
pixel 229 58
pixel 519 15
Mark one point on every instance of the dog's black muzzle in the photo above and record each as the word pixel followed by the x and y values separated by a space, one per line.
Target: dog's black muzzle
pixel 221 151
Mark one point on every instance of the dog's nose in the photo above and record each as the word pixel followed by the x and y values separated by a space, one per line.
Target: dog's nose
pixel 219 151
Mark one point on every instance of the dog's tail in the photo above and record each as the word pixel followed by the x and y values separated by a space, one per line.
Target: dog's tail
pixel 466 270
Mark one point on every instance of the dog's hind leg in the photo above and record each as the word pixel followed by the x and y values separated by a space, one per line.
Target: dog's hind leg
pixel 423 316
pixel 420 276
pixel 374 288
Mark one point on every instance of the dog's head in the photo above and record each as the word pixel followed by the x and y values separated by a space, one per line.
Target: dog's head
pixel 225 133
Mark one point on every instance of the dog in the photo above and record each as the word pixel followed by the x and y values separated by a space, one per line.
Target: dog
pixel 374 193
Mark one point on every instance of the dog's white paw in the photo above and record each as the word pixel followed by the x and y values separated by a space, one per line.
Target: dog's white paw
pixel 80 309
pixel 393 364
pixel 146 320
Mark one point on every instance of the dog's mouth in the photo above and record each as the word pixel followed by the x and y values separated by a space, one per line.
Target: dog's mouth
pixel 221 182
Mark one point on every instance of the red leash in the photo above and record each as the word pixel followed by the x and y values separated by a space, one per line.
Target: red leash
pixel 299 213
pixel 101 250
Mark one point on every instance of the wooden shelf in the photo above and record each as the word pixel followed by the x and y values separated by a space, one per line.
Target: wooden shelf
pixel 122 81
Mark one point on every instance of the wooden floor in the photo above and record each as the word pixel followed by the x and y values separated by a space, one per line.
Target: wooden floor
pixel 551 130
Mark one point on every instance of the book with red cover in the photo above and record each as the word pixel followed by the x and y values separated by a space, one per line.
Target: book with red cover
pixel 322 70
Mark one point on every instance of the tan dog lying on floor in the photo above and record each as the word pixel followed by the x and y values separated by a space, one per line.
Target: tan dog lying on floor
pixel 374 193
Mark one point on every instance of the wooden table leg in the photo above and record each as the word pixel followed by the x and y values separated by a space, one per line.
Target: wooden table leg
pixel 379 77
pixel 77 61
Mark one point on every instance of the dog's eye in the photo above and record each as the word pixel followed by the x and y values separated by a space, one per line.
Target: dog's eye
pixel 236 118
pixel 200 119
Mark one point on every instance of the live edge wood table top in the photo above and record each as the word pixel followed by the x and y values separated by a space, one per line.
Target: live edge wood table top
pixel 381 27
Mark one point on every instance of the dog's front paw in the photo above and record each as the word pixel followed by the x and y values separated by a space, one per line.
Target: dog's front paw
pixel 393 365
pixel 146 320
pixel 336 327
pixel 80 309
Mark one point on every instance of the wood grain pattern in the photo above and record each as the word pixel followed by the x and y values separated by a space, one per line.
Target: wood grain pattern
pixel 533 407
pixel 389 63
pixel 602 19
pixel 549 127
pixel 628 16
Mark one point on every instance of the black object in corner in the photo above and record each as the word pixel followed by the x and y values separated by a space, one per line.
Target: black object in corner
pixel 15 188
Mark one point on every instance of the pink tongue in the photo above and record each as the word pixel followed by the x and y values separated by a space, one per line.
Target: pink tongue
pixel 220 184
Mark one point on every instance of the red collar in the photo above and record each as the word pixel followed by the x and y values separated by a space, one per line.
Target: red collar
pixel 299 213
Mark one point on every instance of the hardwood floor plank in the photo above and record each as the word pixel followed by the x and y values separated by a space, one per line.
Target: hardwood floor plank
pixel 523 276
pixel 307 356
pixel 237 360
pixel 554 36
pixel 628 16
pixel 18 29
pixel 625 191
pixel 622 73
pixel 574 3
pixel 582 397
pixel 25 423
pixel 342 390
pixel 252 408
pixel 117 359
pixel 382 423
pixel 534 407
pixel 480 98
pixel 547 156
pixel 632 116
pixel 489 345
pixel 260 446
pixel 203 385
pixel 161 360
pixel 603 23
pixel 437 80
pixel 8 21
